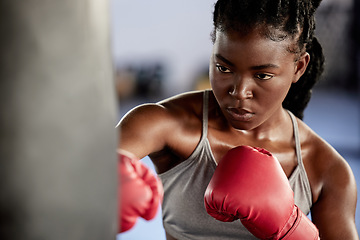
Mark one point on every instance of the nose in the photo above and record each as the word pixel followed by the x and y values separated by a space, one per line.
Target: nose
pixel 241 89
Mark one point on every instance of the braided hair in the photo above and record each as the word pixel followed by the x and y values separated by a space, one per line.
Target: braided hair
pixel 283 19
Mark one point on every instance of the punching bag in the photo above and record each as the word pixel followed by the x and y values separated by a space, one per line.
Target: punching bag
pixel 57 121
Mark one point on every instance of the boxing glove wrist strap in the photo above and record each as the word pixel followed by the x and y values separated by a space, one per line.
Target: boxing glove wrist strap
pixel 301 229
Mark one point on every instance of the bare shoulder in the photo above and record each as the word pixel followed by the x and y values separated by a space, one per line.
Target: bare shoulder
pixel 171 109
pixel 185 103
pixel 333 186
pixel 145 128
pixel 321 158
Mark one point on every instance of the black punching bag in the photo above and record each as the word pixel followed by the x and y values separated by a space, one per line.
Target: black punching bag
pixel 57 121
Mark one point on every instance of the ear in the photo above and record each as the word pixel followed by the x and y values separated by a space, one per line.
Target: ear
pixel 301 65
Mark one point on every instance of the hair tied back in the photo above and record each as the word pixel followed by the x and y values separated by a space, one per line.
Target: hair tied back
pixel 316 3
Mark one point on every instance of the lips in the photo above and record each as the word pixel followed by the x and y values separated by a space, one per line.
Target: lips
pixel 240 114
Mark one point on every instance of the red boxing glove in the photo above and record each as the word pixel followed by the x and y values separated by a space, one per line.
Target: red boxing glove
pixel 140 191
pixel 249 184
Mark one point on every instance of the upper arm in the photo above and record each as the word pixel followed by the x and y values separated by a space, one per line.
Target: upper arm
pixel 334 211
pixel 143 130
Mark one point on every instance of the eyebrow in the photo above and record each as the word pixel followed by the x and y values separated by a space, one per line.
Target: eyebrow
pixel 264 66
pixel 219 56
pixel 259 67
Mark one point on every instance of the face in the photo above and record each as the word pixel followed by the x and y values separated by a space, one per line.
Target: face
pixel 251 76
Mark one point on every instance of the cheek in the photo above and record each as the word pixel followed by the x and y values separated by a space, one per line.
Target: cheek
pixel 212 73
pixel 274 91
pixel 214 79
pixel 284 82
pixel 218 82
pixel 278 92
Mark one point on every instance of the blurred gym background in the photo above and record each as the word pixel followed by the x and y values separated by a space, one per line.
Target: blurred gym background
pixel 161 48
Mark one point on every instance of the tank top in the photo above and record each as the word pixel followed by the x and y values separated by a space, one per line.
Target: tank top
pixel 183 211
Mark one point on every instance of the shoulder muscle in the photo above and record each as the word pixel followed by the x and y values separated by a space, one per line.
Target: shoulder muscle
pixel 149 128
pixel 143 129
pixel 334 210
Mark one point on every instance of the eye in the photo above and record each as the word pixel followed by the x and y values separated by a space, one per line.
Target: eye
pixel 264 76
pixel 222 68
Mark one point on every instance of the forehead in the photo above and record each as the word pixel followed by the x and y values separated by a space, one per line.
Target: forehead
pixel 252 46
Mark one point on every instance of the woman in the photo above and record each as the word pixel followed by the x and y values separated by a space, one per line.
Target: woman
pixel 265 61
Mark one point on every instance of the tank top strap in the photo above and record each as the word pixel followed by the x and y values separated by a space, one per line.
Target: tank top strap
pixel 297 140
pixel 305 184
pixel 205 111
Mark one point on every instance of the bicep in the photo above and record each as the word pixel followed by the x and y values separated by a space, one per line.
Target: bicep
pixel 334 212
pixel 142 130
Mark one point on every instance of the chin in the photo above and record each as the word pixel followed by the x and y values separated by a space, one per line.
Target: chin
pixel 245 126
